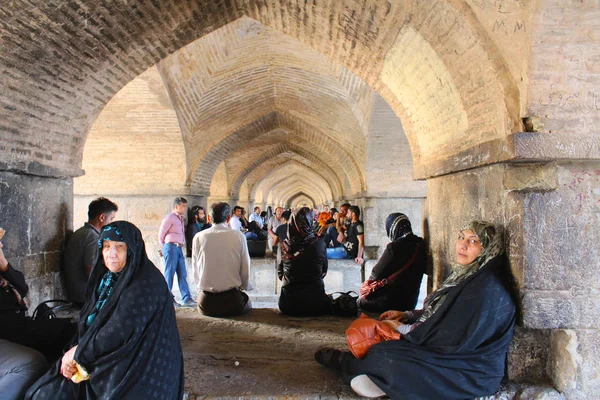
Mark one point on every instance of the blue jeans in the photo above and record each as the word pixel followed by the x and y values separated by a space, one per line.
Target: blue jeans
pixel 175 263
pixel 251 236
pixel 337 253
pixel 331 235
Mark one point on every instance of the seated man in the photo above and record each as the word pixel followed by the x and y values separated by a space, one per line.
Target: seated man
pixel 82 249
pixel 25 344
pixel 338 228
pixel 221 264
pixel 353 246
pixel 257 217
pixel 235 222
pixel 196 223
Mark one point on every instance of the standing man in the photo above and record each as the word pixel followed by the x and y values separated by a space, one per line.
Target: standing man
pixel 221 266
pixel 82 249
pixel 274 222
pixel 171 237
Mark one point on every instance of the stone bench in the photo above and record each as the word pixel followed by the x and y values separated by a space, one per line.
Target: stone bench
pixel 342 276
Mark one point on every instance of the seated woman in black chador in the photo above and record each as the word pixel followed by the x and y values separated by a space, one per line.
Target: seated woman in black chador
pixel 405 256
pixel 455 347
pixel 127 345
pixel 302 269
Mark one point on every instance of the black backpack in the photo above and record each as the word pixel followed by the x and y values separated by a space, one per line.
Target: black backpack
pixel 344 304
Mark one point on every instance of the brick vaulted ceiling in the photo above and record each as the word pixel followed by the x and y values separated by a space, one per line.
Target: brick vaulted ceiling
pixel 247 93
pixel 239 71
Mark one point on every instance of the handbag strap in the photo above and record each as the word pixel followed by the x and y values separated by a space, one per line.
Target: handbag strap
pixel 408 264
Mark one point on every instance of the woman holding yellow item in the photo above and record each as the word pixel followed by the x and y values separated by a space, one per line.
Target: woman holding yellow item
pixel 127 346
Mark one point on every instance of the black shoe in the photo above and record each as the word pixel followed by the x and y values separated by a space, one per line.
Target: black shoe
pixel 330 358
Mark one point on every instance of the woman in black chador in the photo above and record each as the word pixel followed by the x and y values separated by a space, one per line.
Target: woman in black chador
pixel 302 269
pixel 404 258
pixel 453 348
pixel 127 345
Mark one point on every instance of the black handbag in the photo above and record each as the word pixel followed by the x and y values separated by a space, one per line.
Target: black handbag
pixel 44 311
pixel 344 304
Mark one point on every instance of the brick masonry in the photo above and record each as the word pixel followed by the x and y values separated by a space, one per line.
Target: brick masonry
pixel 459 75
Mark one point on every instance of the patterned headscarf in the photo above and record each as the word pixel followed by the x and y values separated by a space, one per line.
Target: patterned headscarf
pixel 492 246
pixel 397 226
pixel 300 234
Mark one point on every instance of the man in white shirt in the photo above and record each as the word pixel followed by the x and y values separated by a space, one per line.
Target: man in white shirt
pixel 272 225
pixel 255 216
pixel 221 264
pixel 235 222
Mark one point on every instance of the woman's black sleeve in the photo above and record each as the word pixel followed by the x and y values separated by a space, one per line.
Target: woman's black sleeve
pixel 16 279
pixel 381 269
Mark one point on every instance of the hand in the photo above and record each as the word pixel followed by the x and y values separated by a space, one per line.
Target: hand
pixel 160 253
pixel 359 260
pixel 391 315
pixel 340 238
pixel 392 324
pixel 3 261
pixel 68 366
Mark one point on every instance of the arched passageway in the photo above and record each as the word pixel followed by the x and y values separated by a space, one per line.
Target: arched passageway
pixel 350 99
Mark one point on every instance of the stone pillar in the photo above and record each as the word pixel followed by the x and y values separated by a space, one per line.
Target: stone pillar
pixel 551 215
pixel 374 212
pixel 36 213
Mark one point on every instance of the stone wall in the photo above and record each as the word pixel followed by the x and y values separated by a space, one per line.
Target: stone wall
pixel 36 213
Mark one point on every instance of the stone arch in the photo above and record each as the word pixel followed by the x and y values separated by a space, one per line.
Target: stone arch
pixel 365 38
pixel 325 171
pixel 289 203
pixel 283 176
pixel 279 127
pixel 283 190
pixel 262 177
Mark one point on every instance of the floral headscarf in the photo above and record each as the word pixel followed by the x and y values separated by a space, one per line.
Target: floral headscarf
pixel 300 234
pixel 492 246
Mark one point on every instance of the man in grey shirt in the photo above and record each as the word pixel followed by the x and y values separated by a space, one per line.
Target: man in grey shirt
pixel 82 249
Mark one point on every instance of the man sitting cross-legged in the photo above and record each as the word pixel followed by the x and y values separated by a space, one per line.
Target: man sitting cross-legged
pixel 221 265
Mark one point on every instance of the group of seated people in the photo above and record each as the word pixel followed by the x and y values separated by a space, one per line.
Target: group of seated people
pixel 126 342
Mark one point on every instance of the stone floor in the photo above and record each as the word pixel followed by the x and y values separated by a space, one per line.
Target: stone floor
pixel 266 355
pixel 258 356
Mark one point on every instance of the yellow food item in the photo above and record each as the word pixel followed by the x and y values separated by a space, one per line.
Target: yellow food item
pixel 81 374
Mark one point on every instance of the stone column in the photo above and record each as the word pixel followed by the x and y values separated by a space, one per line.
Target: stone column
pixel 36 213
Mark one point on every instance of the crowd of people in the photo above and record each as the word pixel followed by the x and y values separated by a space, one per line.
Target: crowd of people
pixel 125 343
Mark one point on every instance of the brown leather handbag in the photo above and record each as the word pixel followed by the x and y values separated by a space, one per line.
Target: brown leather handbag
pixel 364 332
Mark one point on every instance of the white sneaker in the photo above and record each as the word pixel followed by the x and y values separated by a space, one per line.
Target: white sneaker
pixel 365 387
